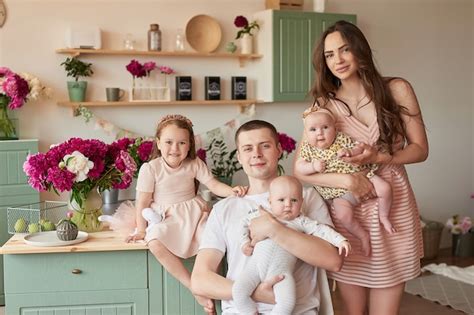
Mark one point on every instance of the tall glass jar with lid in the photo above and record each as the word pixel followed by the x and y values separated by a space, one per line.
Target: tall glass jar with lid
pixel 154 38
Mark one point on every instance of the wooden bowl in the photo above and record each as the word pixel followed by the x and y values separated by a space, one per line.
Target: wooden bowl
pixel 203 33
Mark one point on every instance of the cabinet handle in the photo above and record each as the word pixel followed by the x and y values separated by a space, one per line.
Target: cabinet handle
pixel 76 271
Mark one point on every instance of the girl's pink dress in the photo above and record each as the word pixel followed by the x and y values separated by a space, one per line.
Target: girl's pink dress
pixel 174 198
pixel 395 258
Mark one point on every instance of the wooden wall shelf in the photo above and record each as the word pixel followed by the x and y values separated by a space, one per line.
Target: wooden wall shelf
pixel 188 54
pixel 241 103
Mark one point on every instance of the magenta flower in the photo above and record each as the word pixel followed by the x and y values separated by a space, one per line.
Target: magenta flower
pixel 288 144
pixel 166 70
pixel 149 67
pixel 201 153
pixel 144 150
pixel 136 69
pixel 241 21
pixel 17 89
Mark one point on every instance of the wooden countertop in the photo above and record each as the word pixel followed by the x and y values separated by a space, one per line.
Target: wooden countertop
pixel 97 242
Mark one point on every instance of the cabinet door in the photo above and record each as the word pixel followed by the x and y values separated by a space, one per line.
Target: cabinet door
pixel 126 302
pixel 14 187
pixel 293 38
pixel 167 295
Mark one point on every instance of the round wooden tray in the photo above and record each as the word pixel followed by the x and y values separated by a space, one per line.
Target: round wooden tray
pixel 203 33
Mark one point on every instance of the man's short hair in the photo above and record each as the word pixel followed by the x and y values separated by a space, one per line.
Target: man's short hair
pixel 254 125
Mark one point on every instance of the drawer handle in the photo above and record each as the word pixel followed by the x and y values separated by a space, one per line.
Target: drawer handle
pixel 76 271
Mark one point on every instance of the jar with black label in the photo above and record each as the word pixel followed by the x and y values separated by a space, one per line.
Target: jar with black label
pixel 154 38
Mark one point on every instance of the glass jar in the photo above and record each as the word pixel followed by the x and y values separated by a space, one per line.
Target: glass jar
pixel 154 38
pixel 179 44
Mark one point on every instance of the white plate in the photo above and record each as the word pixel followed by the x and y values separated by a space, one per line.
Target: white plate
pixel 50 238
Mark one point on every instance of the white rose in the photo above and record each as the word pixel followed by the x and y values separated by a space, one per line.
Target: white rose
pixel 78 164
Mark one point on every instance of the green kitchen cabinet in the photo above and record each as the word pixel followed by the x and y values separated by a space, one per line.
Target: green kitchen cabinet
pixel 103 275
pixel 287 39
pixel 14 188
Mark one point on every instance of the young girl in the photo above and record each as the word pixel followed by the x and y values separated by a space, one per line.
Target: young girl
pixel 166 185
pixel 321 153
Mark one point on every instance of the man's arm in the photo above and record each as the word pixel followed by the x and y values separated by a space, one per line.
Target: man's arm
pixel 205 279
pixel 312 250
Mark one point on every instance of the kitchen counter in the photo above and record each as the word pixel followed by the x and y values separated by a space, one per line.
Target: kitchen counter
pixel 103 275
pixel 99 241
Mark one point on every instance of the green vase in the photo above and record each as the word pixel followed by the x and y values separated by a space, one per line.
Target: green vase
pixel 7 127
pixel 86 215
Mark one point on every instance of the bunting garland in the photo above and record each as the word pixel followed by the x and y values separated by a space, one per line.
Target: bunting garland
pixel 224 132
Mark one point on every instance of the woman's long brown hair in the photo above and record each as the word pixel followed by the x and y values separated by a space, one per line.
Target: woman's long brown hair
pixel 377 88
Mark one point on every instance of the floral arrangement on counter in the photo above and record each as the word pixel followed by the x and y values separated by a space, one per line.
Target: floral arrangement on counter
pixel 246 28
pixel 459 225
pixel 15 91
pixel 87 167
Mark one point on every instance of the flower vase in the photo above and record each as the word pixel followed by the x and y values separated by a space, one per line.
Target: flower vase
pixel 246 44
pixel 86 213
pixel 7 128
pixel 463 245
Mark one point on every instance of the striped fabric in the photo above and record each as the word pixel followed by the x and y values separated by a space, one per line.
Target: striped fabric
pixel 395 258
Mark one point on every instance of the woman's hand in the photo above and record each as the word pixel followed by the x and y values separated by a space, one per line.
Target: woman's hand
pixel 361 187
pixel 368 154
pixel 263 226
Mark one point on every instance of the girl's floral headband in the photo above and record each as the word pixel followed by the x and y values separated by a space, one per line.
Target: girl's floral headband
pixel 317 109
pixel 175 117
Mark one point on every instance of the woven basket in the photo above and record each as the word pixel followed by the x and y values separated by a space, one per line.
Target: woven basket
pixel 431 239
pixel 284 4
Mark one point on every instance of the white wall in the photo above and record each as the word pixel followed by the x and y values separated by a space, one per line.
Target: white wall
pixel 428 42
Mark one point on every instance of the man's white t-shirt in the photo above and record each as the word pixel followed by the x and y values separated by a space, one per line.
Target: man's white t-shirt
pixel 223 231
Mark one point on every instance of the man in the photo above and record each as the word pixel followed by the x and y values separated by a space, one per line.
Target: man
pixel 258 151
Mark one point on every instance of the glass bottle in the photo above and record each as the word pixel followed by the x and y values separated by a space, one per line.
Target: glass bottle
pixel 154 38
pixel 179 44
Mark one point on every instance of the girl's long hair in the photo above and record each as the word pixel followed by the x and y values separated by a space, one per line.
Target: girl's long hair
pixel 377 88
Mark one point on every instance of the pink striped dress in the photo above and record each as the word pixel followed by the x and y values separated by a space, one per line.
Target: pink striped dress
pixel 395 258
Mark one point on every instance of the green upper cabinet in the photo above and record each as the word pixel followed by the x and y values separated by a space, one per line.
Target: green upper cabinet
pixel 287 39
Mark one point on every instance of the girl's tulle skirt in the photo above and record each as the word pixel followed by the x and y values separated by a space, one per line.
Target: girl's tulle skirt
pixel 123 221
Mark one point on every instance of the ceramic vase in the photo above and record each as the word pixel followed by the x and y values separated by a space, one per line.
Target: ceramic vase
pixel 246 44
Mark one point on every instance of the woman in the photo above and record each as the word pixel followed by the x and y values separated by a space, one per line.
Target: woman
pixel 384 116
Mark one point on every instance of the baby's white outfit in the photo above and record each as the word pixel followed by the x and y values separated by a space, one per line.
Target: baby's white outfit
pixel 269 260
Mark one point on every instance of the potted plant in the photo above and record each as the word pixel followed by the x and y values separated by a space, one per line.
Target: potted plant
pixel 76 68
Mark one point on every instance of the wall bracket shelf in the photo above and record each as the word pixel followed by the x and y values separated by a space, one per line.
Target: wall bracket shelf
pixel 187 54
pixel 75 105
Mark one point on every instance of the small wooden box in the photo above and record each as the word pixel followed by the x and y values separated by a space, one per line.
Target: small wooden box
pixel 284 4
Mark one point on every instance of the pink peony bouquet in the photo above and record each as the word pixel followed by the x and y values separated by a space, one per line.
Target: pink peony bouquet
pixel 246 28
pixel 15 91
pixel 79 166
pixel 459 225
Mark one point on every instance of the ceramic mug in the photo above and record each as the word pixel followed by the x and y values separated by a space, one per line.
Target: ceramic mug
pixel 114 94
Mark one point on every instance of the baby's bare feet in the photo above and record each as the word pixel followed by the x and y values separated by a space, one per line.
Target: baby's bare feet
pixel 365 242
pixel 387 225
